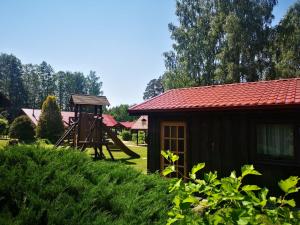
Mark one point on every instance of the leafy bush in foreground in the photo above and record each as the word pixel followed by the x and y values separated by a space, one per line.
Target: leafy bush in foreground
pixel 227 201
pixel 48 186
pixel 22 128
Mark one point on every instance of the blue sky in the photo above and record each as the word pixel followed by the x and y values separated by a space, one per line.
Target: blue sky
pixel 123 41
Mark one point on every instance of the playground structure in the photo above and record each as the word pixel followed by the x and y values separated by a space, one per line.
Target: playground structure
pixel 87 130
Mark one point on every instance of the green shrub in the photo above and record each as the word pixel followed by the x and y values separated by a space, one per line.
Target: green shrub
pixel 227 200
pixel 142 138
pixel 22 128
pixel 56 186
pixel 3 126
pixel 126 135
pixel 50 124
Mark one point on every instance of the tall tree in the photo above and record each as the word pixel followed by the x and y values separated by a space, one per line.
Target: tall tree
pixel 286 50
pixel 154 88
pixel 32 86
pixel 11 82
pixel 47 81
pixel 219 42
pixel 94 84
pixel 61 90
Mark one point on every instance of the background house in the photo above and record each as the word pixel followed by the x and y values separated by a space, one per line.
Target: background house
pixel 227 126
pixel 34 115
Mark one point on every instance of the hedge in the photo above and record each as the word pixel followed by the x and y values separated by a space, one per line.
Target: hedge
pixel 48 186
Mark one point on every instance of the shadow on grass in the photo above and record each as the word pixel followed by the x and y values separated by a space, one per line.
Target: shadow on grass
pixel 123 160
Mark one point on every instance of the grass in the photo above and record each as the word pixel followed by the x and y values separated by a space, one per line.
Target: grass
pixel 140 163
pixel 57 186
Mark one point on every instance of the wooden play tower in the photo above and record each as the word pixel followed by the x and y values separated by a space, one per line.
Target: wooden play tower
pixel 86 128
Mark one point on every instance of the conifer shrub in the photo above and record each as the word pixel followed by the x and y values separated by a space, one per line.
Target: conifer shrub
pixel 3 126
pixel 22 128
pixel 50 125
pixel 126 135
pixel 58 186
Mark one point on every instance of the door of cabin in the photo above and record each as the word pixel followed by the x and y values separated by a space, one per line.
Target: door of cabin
pixel 173 138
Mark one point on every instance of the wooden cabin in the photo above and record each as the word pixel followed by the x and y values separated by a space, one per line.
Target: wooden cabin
pixel 227 126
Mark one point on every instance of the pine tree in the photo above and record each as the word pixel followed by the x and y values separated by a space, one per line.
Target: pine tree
pixel 50 124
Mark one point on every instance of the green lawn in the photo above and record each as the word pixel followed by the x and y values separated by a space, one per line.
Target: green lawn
pixel 139 164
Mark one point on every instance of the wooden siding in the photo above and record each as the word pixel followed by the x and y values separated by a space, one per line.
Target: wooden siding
pixel 227 140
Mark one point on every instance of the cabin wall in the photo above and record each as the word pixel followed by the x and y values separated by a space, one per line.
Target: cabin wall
pixel 225 141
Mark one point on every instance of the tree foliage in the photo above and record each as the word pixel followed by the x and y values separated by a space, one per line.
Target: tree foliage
pixel 50 124
pixel 231 41
pixel 28 85
pixel 286 52
pixel 11 84
pixel 154 88
pixel 120 113
pixel 22 128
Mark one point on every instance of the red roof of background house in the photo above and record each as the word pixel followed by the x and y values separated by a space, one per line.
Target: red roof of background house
pixel 109 120
pixel 262 94
pixel 34 116
pixel 127 124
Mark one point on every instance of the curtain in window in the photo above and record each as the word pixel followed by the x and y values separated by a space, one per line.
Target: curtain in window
pixel 275 140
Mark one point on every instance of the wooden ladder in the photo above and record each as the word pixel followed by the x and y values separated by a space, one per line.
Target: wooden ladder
pixel 66 134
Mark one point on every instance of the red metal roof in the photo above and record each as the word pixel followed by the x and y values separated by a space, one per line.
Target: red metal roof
pixel 127 124
pixel 34 115
pixel 109 120
pixel 262 94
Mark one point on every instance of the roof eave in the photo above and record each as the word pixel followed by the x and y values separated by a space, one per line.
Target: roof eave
pixel 135 112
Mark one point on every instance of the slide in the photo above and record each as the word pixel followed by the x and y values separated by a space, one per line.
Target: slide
pixel 119 143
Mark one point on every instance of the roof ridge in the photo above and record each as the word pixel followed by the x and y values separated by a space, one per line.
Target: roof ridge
pixel 150 99
pixel 236 84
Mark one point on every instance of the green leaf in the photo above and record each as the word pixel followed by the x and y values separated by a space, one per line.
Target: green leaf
pixel 250 188
pixel 289 185
pixel 197 167
pixel 176 185
pixel 249 169
pixel 233 174
pixel 171 221
pixel 174 157
pixel 190 199
pixel 290 202
pixel 165 155
pixel 177 201
pixel 168 170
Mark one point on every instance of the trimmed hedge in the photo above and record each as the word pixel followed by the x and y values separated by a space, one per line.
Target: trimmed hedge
pixel 48 186
pixel 23 129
